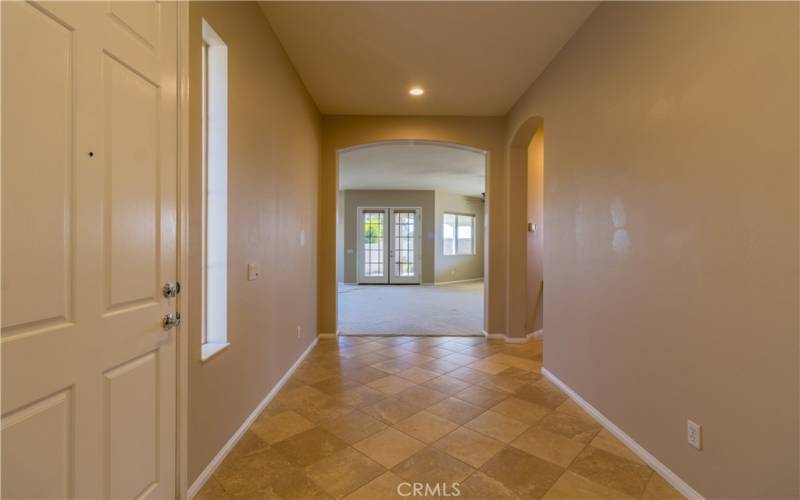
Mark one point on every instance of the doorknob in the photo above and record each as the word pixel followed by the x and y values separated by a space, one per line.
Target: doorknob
pixel 171 320
pixel 171 289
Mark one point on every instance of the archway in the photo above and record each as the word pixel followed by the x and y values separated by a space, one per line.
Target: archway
pixel 525 306
pixel 446 182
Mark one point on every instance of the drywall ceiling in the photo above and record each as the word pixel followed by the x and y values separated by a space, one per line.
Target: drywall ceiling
pixel 413 165
pixel 473 58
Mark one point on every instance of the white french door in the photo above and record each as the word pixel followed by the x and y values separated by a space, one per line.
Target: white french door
pixel 89 120
pixel 389 245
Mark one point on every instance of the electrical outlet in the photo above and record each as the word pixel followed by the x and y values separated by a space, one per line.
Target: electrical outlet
pixel 694 434
pixel 252 272
pixel 298 332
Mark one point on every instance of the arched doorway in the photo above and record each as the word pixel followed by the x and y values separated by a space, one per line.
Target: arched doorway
pixel 422 205
pixel 525 308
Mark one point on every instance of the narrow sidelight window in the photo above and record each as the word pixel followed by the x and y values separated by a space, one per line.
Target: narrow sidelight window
pixel 215 192
pixel 458 234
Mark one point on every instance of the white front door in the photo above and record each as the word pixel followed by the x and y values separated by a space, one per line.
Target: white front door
pixel 389 245
pixel 89 219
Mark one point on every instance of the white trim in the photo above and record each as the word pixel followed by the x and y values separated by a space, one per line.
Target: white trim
pixel 457 281
pixel 182 304
pixel 538 334
pixel 197 485
pixel 434 334
pixel 662 470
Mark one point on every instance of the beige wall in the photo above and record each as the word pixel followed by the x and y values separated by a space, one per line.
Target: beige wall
pixel 354 198
pixel 458 267
pixel 535 240
pixel 347 131
pixel 671 256
pixel 273 155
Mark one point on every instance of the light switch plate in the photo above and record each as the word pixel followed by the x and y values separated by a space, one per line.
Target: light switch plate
pixel 252 272
pixel 694 434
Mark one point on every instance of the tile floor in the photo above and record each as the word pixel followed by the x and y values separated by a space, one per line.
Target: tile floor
pixel 363 415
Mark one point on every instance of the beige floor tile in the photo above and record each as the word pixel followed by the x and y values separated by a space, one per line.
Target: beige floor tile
pixel 391 385
pixel 480 396
pixel 393 366
pixel 309 446
pixel 440 366
pixel 296 486
pixel 212 490
pixel 421 397
pixel 390 410
pixel 296 398
pixel 469 446
pixel 361 396
pixel 324 410
pixel 612 471
pixel 389 447
pixel 432 466
pixel 549 446
pixel 571 486
pixel 461 359
pixel 354 426
pixel 425 426
pixel 344 472
pixel 335 385
pixel 658 489
pixel 521 410
pixel 479 486
pixel 274 428
pixel 418 375
pixel 383 487
pixel 497 426
pixel 243 476
pixel 456 410
pixel 605 441
pixel 503 383
pixel 488 366
pixel 541 395
pixel 249 444
pixel 468 375
pixel 446 384
pixel 526 475
pixel 570 426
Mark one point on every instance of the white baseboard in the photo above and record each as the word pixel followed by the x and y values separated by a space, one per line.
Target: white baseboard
pixel 661 469
pixel 457 281
pixel 538 334
pixel 198 483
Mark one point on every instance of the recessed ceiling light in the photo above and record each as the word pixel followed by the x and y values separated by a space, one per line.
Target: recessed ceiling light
pixel 416 91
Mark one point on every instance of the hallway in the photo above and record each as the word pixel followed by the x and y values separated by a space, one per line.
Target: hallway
pixel 451 309
pixel 364 416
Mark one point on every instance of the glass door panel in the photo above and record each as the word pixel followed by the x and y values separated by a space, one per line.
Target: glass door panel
pixel 404 253
pixel 372 246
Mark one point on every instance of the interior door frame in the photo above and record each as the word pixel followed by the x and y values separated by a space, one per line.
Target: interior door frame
pixel 360 278
pixel 417 278
pixel 182 332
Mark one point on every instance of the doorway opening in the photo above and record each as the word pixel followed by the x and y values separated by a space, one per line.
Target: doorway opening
pixel 410 246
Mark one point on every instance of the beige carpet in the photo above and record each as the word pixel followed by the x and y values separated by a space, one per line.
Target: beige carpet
pixel 411 309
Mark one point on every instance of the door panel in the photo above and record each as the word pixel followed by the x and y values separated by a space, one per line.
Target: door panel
pixel 89 217
pixel 373 248
pixel 404 253
pixel 39 244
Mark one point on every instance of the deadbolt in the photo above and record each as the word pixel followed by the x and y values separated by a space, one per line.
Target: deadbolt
pixel 171 320
pixel 171 289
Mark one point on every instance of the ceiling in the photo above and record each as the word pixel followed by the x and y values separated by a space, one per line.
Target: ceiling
pixel 413 165
pixel 473 58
